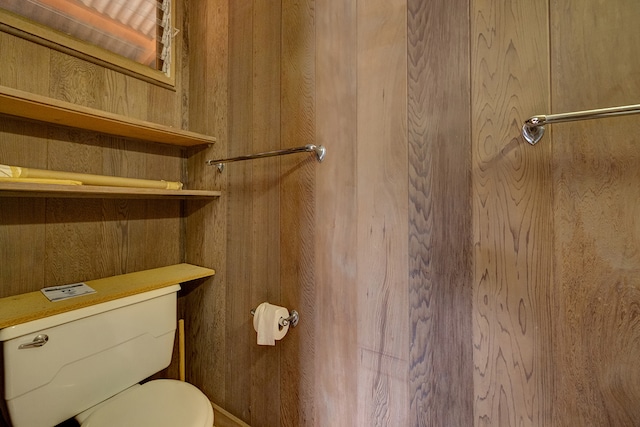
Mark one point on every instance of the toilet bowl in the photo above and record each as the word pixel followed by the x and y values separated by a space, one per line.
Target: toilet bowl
pixel 88 364
pixel 157 403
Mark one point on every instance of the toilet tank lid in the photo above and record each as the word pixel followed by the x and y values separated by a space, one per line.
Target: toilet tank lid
pixel 69 316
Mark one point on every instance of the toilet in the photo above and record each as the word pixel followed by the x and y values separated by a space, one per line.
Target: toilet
pixel 88 363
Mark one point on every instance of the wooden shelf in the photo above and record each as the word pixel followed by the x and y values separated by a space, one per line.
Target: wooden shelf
pixel 31 106
pixel 17 189
pixel 22 308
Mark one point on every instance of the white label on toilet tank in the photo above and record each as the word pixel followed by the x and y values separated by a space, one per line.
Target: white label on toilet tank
pixel 58 293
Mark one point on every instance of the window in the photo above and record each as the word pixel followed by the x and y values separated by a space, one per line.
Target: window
pixel 139 30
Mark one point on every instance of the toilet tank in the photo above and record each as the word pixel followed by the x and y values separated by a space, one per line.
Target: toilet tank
pixel 91 354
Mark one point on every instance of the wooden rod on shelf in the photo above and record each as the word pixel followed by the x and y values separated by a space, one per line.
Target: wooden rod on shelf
pixel 181 349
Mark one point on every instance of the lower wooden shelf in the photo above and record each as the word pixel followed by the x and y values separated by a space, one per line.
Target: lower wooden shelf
pixel 18 189
pixel 34 305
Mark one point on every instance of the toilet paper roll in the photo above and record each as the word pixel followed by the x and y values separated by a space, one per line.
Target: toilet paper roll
pixel 266 323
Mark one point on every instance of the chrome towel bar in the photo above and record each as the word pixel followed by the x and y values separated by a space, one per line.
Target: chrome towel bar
pixel 533 128
pixel 319 150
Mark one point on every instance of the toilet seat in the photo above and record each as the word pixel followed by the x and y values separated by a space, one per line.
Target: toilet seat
pixel 157 403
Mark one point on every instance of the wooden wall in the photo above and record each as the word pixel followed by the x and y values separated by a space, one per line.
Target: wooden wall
pixel 459 276
pixel 512 216
pixel 440 252
pixel 46 242
pixel 556 293
pixel 373 246
pixel 596 175
pixel 445 272
pixel 204 307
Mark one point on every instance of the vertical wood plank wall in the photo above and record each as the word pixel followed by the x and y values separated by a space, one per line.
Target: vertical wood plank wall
pixel 596 173
pixel 382 208
pixel 512 215
pixel 556 295
pixel 297 211
pixel 205 307
pixel 446 273
pixel 439 119
pixel 336 275
pixel 481 315
pixel 348 228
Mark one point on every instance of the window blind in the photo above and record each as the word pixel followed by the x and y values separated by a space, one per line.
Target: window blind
pixel 140 30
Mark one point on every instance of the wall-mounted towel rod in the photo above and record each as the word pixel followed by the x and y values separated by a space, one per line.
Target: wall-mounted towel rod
pixel 319 150
pixel 533 127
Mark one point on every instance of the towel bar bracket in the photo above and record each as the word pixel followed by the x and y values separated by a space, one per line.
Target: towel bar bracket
pixel 533 129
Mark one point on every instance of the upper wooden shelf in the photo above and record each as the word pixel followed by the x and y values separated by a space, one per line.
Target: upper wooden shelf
pixel 34 305
pixel 36 107
pixel 18 189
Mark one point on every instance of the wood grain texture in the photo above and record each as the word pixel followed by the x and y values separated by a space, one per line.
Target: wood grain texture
pixel 239 333
pixel 22 248
pixel 297 207
pixel 269 227
pixel 336 216
pixel 265 283
pixel 512 201
pixel 383 337
pixel 440 253
pixel 76 81
pixel 205 307
pixel 25 65
pixel 597 234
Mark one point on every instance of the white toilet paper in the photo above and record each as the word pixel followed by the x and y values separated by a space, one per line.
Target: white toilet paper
pixel 266 323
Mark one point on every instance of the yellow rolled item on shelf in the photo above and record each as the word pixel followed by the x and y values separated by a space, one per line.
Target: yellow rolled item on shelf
pixel 40 181
pixel 9 171
pixel 88 179
pixel 173 185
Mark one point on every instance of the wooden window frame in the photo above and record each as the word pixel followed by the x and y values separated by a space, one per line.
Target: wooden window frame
pixel 19 26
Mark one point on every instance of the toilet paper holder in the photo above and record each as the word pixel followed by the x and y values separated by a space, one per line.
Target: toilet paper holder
pixel 284 321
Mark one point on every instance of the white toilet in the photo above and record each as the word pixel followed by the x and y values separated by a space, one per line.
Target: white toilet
pixel 87 364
